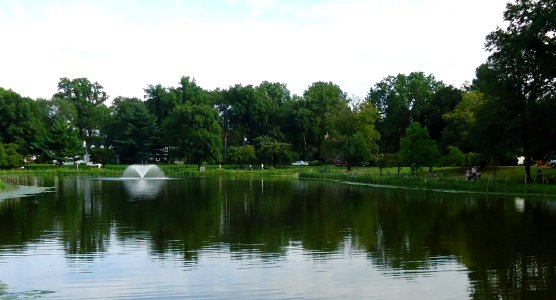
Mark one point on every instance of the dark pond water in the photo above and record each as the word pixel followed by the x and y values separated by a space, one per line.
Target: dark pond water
pixel 225 238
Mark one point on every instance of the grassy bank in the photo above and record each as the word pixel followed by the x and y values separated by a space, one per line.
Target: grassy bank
pixel 3 186
pixel 506 180
pixel 169 170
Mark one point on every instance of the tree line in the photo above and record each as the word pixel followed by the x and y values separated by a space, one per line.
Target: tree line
pixel 405 119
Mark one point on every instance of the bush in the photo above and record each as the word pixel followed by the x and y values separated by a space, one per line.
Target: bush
pixel 315 163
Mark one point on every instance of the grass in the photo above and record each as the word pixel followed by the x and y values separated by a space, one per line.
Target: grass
pixel 169 170
pixel 508 180
pixel 504 180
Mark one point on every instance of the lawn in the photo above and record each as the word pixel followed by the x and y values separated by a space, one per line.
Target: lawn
pixel 507 180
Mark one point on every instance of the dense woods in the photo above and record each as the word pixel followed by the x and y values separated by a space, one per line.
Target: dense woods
pixel 406 118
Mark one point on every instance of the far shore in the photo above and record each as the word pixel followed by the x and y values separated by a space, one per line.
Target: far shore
pixel 499 180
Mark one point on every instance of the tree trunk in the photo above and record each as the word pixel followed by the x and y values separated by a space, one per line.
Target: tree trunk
pixel 527 162
pixel 304 147
pixel 528 169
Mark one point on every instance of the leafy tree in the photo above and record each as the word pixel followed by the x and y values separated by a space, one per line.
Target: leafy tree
pixel 355 137
pixel 19 121
pixel 323 102
pixel 461 121
pixel 160 101
pixel 400 100
pixel 103 155
pixel 133 130
pixel 189 91
pixel 63 140
pixel 444 101
pixel 85 96
pixel 195 129
pixel 274 152
pixel 300 127
pixel 249 113
pixel 275 95
pixel 523 58
pixel 242 154
pixel 454 157
pixel 356 149
pixel 9 156
pixel 416 147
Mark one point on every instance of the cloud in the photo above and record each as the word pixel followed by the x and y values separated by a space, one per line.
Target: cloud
pixel 352 43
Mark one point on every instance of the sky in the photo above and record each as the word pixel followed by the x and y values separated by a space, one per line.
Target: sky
pixel 126 45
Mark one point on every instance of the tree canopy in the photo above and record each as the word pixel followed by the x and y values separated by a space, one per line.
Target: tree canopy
pixel 405 118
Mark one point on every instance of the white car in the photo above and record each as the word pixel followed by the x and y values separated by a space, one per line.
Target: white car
pixel 300 163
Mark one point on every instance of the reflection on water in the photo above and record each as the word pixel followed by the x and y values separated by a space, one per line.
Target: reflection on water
pixel 143 188
pixel 253 238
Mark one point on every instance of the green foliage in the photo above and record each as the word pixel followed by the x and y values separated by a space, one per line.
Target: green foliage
pixel 417 147
pixel 454 158
pixel 85 96
pixel 461 121
pixel 18 121
pixel 63 140
pixel 399 100
pixel 323 103
pixel 242 155
pixel 133 130
pixel 356 149
pixel 194 128
pixel 103 155
pixel 275 153
pixel 445 101
pixel 9 156
pixel 523 64
pixel 160 101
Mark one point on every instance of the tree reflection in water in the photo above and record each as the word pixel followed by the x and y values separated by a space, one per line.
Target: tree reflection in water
pixel 506 245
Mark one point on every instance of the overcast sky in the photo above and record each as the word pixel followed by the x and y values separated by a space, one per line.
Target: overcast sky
pixel 126 45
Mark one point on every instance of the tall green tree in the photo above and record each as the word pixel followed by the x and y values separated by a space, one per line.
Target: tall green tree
pixel 160 101
pixel 461 121
pixel 273 95
pixel 19 121
pixel 359 138
pixel 400 100
pixel 300 127
pixel 416 147
pixel 444 101
pixel 9 156
pixel 274 152
pixel 323 102
pixel 523 56
pixel 63 140
pixel 249 113
pixel 242 155
pixel 85 96
pixel 133 130
pixel 195 129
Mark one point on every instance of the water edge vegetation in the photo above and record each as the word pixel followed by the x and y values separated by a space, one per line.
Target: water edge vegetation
pixel 502 180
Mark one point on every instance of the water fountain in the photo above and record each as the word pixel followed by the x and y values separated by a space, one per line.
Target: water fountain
pixel 143 171
pixel 141 181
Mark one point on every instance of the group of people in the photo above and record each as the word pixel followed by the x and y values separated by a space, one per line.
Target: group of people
pixel 473 173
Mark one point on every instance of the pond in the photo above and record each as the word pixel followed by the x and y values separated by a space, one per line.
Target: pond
pixel 263 238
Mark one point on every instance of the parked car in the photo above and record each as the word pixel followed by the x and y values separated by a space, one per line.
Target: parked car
pixel 552 162
pixel 300 163
pixel 339 162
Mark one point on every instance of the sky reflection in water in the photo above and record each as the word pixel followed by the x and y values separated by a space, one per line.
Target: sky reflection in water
pixel 273 239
